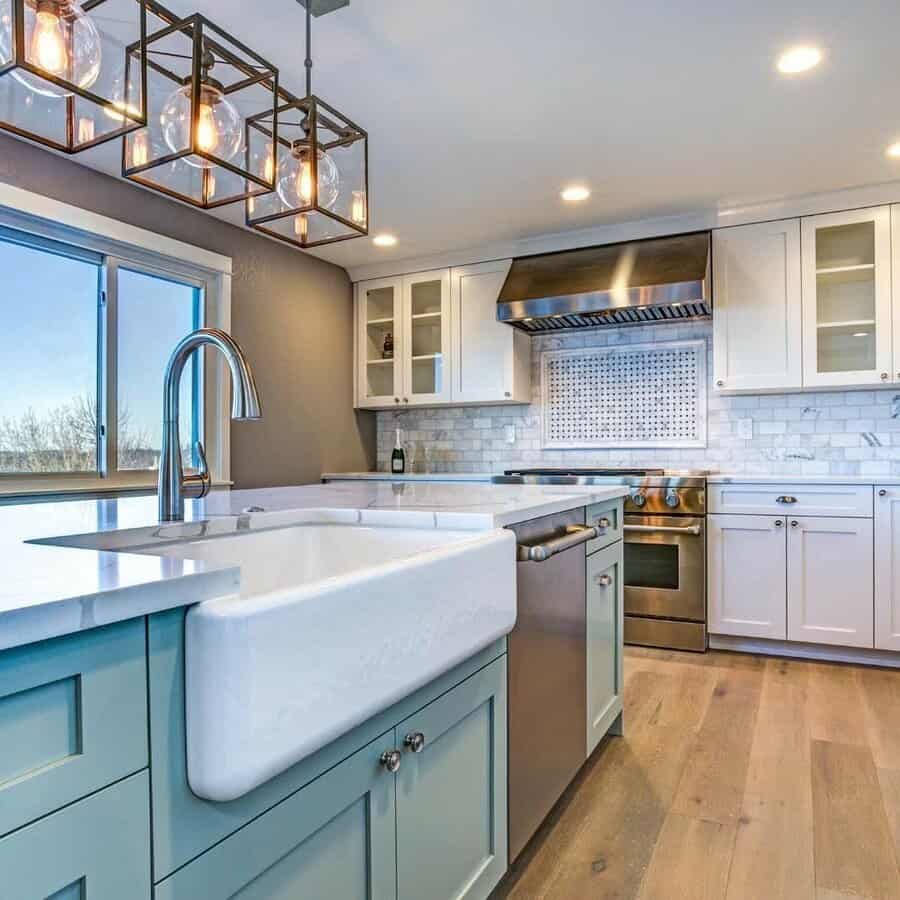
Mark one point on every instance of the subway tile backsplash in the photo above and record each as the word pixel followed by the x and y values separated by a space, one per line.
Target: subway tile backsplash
pixel 813 433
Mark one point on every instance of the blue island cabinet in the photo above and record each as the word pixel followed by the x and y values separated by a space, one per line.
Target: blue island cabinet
pixel 419 813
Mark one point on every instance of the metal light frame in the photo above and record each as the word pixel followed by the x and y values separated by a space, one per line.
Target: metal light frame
pixel 202 34
pixel 132 119
pixel 315 117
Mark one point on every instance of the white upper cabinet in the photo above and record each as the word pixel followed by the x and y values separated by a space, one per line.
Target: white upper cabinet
pixel 757 341
pixel 491 360
pixel 432 339
pixel 895 287
pixel 378 324
pixel 847 319
pixel 426 330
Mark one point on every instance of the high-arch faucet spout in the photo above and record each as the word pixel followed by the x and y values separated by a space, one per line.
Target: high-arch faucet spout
pixel 174 485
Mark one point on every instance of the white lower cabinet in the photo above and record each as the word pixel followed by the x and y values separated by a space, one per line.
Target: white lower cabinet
pixel 830 581
pixel 804 578
pixel 747 558
pixel 887 568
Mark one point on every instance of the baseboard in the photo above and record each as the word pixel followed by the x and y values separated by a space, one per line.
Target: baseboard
pixel 805 651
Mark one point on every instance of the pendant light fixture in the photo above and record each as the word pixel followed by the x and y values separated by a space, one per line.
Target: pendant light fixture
pixel 203 87
pixel 322 181
pixel 72 74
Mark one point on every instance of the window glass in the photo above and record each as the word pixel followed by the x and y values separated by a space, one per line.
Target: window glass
pixel 154 315
pixel 48 353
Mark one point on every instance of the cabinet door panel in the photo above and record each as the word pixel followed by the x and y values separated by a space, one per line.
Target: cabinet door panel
pixel 426 338
pixel 605 623
pixel 379 318
pixel 830 581
pixel 747 560
pixel 334 838
pixel 887 568
pixel 757 291
pixel 451 796
pixel 96 849
pixel 846 262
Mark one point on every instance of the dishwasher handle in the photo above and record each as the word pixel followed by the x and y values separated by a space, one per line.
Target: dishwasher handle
pixel 574 535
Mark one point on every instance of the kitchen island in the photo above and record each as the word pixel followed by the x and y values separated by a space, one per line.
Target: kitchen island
pixel 96 685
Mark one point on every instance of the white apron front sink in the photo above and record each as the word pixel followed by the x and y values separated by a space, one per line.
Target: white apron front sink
pixel 333 624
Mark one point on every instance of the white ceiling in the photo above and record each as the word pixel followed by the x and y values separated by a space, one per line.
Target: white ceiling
pixel 479 112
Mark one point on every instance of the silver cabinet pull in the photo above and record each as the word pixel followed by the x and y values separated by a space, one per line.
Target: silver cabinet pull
pixel 664 529
pixel 396 399
pixel 390 760
pixel 786 498
pixel 794 523
pixel 882 493
pixel 574 535
pixel 779 523
pixel 603 524
pixel 884 376
pixel 604 580
pixel 720 383
pixel 414 742
pixel 406 399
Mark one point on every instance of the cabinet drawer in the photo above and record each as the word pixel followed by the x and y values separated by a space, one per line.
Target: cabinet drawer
pixel 73 718
pixel 97 849
pixel 789 499
pixel 609 511
pixel 334 838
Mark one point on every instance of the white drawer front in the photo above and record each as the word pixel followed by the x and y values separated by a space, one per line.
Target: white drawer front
pixel 851 500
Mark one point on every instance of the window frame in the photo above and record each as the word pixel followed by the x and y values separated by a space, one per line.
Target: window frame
pixel 80 234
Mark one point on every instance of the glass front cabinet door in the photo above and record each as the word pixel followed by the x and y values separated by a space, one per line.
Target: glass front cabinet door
pixel 379 342
pixel 847 298
pixel 426 358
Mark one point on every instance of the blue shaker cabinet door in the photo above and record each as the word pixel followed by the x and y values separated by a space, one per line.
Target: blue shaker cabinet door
pixel 335 838
pixel 73 719
pixel 96 849
pixel 605 607
pixel 451 794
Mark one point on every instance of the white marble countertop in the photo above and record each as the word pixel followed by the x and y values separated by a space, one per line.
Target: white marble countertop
pixel 49 590
pixel 449 477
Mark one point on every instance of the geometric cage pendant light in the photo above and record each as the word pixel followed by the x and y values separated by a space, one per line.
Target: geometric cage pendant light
pixel 203 88
pixel 322 170
pixel 72 74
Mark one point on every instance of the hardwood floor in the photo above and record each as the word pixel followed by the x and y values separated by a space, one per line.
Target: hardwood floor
pixel 738 778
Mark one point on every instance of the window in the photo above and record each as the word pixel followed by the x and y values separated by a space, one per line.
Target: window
pixel 84 340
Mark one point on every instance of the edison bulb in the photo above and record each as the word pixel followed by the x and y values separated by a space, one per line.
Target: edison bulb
pixel 218 127
pixel 62 40
pixel 295 186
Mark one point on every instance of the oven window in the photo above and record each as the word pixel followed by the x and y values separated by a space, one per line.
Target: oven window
pixel 651 566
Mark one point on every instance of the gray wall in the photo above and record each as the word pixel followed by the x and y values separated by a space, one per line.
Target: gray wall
pixel 292 313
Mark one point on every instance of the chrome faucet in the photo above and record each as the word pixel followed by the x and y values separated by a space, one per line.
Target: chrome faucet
pixel 174 485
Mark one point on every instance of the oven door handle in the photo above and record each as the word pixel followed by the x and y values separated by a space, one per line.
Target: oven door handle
pixel 574 535
pixel 665 529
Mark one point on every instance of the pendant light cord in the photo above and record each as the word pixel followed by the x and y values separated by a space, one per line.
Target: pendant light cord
pixel 308 62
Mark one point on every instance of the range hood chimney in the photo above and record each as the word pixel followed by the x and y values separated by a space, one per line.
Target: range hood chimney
pixel 637 282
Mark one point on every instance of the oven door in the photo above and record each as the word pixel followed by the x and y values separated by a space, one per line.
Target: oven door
pixel 665 567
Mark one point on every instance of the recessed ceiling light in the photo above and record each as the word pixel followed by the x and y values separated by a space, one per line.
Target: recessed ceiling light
pixel 384 240
pixel 575 193
pixel 799 59
pixel 893 151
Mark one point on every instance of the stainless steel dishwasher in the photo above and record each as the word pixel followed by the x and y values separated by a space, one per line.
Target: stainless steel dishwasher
pixel 547 669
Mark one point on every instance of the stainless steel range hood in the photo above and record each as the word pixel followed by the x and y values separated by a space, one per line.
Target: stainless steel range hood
pixel 655 280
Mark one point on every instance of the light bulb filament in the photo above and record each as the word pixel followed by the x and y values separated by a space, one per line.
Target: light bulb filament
pixel 48 47
pixel 207 130
pixel 304 182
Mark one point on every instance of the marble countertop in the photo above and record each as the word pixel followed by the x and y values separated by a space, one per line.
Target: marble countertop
pixel 50 590
pixel 449 477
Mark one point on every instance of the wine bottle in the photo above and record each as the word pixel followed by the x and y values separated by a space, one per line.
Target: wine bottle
pixel 398 457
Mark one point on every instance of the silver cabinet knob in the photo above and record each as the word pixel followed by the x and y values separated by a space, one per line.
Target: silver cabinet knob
pixel 786 499
pixel 414 742
pixel 603 524
pixel 604 580
pixel 794 523
pixel 720 383
pixel 779 523
pixel 884 376
pixel 406 399
pixel 507 394
pixel 390 760
pixel 882 493
pixel 639 500
pixel 396 399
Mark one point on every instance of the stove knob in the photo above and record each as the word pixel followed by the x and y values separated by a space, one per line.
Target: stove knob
pixel 639 500
pixel 672 499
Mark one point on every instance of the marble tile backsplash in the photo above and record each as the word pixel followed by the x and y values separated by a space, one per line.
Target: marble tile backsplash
pixel 810 433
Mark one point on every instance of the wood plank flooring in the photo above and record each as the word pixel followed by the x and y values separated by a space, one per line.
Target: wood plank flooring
pixel 738 778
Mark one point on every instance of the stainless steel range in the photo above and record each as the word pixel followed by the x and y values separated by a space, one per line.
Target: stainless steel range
pixel 665 549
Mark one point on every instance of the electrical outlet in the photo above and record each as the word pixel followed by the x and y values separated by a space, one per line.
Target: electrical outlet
pixel 509 434
pixel 745 429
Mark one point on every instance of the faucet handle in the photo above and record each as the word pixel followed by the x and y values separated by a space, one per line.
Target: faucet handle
pixel 202 467
pixel 197 485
